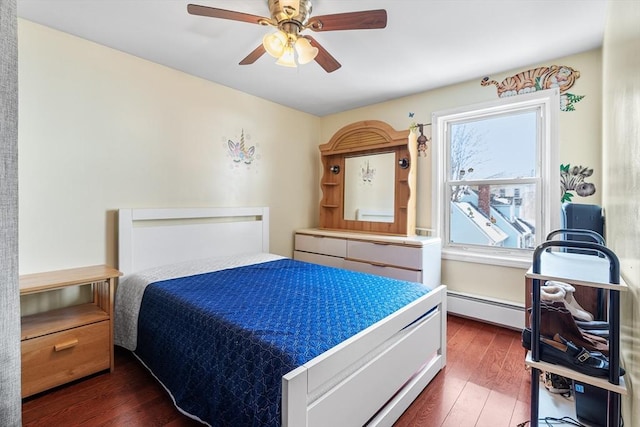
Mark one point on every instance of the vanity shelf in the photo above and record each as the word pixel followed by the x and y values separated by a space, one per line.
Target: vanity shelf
pixel 370 140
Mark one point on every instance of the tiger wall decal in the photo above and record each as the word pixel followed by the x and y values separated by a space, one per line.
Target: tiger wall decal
pixel 560 76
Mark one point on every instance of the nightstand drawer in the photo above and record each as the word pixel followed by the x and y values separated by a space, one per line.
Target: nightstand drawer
pixel 55 359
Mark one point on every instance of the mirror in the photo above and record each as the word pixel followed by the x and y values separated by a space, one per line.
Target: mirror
pixel 369 183
pixel 368 180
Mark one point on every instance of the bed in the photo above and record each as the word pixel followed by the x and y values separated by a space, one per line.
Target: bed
pixel 307 363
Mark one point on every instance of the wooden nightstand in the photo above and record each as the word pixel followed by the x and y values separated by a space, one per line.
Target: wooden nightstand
pixel 68 343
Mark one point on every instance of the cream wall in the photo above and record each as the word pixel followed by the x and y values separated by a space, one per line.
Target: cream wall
pixel 621 155
pixel 100 130
pixel 580 140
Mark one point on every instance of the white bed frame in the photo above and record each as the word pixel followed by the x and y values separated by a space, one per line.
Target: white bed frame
pixel 369 379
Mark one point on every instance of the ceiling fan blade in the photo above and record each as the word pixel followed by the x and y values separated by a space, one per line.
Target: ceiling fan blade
pixel 253 56
pixel 365 20
pixel 213 12
pixel 324 58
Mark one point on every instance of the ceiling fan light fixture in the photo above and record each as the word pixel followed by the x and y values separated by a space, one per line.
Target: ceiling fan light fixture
pixel 292 17
pixel 306 52
pixel 275 43
pixel 287 59
pixel 290 7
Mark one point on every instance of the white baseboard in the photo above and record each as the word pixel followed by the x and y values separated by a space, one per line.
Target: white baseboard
pixel 503 313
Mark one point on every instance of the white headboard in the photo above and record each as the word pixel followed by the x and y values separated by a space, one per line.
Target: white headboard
pixel 153 237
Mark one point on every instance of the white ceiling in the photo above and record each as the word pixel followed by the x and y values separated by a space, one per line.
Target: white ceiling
pixel 427 43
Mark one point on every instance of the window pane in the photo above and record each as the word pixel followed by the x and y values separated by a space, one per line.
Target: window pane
pixel 495 147
pixel 493 215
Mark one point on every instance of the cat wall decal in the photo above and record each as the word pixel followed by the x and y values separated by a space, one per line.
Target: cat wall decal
pixel 561 76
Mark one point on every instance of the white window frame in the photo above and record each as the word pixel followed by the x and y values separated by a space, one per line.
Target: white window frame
pixel 548 192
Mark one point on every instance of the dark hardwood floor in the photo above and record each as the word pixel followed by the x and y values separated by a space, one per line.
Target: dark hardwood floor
pixel 485 383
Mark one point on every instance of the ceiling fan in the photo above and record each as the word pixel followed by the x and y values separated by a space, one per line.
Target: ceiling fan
pixel 291 17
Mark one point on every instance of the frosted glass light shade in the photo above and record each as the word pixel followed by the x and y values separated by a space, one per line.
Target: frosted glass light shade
pixel 275 43
pixel 288 58
pixel 306 52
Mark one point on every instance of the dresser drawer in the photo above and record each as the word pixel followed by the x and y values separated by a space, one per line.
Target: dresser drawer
pixel 321 245
pixel 55 359
pixel 387 254
pixel 330 261
pixel 386 271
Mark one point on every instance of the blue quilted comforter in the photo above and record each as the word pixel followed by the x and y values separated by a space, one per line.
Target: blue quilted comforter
pixel 220 342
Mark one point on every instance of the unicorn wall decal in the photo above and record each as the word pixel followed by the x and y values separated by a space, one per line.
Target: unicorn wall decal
pixel 239 152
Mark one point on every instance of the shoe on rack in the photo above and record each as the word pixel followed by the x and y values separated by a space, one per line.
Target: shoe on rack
pixel 553 291
pixel 562 352
pixel 556 319
pixel 598 328
pixel 594 325
pixel 555 383
pixel 600 333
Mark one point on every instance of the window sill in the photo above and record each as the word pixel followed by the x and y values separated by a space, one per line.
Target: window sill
pixel 514 261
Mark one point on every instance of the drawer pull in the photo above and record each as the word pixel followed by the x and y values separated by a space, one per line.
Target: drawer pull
pixel 364 261
pixel 378 264
pixel 65 345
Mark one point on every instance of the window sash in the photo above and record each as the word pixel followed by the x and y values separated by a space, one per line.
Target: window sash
pixel 472 182
pixel 546 180
pixel 507 249
pixel 492 115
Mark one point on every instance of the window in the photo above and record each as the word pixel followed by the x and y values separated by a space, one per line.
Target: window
pixel 497 192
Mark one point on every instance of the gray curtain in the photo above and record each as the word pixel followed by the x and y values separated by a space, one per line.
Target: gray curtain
pixel 10 403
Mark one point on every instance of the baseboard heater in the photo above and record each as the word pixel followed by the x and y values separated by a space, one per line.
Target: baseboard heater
pixel 503 313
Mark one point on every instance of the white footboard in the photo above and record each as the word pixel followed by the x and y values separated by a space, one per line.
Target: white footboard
pixel 375 375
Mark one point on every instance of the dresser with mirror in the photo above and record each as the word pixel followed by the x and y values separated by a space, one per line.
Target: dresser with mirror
pixel 368 207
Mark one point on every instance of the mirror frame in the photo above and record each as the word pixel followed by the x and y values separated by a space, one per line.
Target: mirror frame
pixel 363 138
